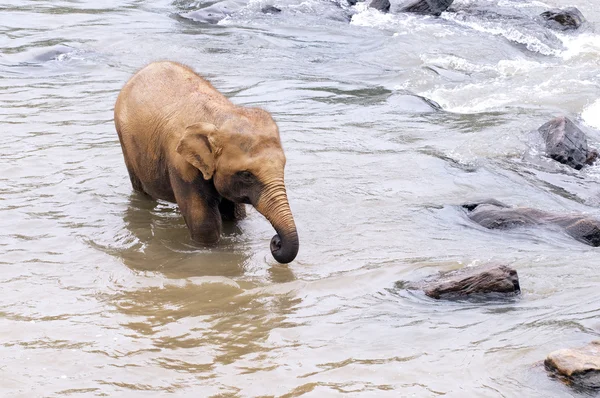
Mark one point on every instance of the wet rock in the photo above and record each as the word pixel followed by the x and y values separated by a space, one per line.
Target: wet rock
pixel 492 214
pixel 563 19
pixel 584 229
pixel 51 53
pixel 577 366
pixel 270 10
pixel 429 7
pixel 471 206
pixel 483 280
pixel 405 101
pixel 352 2
pixel 213 13
pixel 566 143
pixel 381 5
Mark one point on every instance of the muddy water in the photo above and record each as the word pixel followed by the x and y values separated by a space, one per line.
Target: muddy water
pixel 103 294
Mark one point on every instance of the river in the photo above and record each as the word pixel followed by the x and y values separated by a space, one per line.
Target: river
pixel 102 292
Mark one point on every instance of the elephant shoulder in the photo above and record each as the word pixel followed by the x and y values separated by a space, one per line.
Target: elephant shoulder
pixel 181 167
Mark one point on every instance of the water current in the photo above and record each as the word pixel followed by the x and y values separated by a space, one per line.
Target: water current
pixel 102 293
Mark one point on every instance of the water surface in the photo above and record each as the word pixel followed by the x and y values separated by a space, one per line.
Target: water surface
pixel 103 293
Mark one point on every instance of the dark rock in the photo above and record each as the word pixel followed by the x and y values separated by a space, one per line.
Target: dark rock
pixel 495 215
pixel 429 7
pixel 563 19
pixel 270 10
pixel 473 205
pixel 381 5
pixel 353 2
pixel 577 366
pixel 584 229
pixel 566 143
pixel 483 280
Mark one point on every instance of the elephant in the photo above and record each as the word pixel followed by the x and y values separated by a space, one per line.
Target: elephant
pixel 185 142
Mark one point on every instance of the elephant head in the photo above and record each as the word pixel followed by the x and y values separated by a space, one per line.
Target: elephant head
pixel 244 158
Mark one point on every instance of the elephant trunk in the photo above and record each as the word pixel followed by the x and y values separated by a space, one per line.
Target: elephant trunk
pixel 273 204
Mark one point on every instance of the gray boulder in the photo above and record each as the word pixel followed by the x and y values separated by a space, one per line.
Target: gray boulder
pixel 492 214
pixel 381 5
pixel 270 10
pixel 214 13
pixel 569 18
pixel 566 143
pixel 428 7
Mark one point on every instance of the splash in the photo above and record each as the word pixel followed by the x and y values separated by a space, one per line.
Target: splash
pixel 591 114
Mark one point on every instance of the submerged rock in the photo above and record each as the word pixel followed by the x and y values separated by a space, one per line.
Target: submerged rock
pixel 569 18
pixel 483 280
pixel 492 214
pixel 566 143
pixel 381 5
pixel 51 53
pixel 270 10
pixel 214 12
pixel 577 366
pixel 429 7
pixel 405 101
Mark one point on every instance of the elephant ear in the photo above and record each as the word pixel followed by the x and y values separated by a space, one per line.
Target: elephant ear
pixel 197 146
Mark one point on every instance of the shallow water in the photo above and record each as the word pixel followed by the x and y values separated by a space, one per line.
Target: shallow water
pixel 103 294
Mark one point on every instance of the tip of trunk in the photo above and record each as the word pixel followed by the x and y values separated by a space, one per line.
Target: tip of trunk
pixel 284 252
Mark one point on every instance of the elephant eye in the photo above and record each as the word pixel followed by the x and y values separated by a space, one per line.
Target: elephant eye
pixel 245 176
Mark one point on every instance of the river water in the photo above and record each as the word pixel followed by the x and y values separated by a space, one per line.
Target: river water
pixel 103 294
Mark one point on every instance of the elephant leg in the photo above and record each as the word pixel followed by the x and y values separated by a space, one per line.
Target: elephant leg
pixel 136 183
pixel 199 205
pixel 232 211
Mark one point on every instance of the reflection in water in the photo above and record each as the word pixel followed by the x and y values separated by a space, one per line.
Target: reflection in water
pixel 162 243
pixel 213 320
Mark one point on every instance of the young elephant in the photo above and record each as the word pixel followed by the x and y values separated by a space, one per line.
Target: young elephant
pixel 184 142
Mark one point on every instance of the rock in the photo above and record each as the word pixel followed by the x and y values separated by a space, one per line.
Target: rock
pixel 566 143
pixel 52 53
pixel 429 7
pixel 483 280
pixel 494 202
pixel 563 19
pixel 214 12
pixel 405 101
pixel 492 214
pixel 578 366
pixel 381 5
pixel 270 10
pixel 352 2
pixel 584 229
pixel 518 26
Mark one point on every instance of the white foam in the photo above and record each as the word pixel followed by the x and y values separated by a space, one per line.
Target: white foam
pixel 581 44
pixel 507 31
pixel 371 18
pixel 520 4
pixel 591 114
